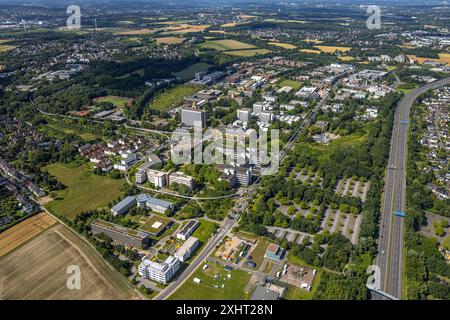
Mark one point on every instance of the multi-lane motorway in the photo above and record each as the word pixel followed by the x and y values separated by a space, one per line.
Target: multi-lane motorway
pixel 390 246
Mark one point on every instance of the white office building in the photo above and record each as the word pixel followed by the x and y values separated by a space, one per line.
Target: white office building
pixel 187 249
pixel 187 230
pixel 141 176
pixel 244 114
pixel 180 178
pixel 158 178
pixel 161 272
pixel 154 204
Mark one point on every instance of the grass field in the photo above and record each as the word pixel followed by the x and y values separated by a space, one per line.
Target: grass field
pixel 189 72
pixel 173 97
pixel 443 58
pixel 313 41
pixel 290 83
pixel 127 32
pixel 332 49
pixel 53 130
pixel 284 21
pixel 205 290
pixel 446 243
pixel 248 53
pixel 205 230
pixel 259 251
pixel 311 51
pixel 294 293
pixel 346 58
pixel 85 191
pixel 132 40
pixel 118 102
pixel 170 40
pixel 225 45
pixel 183 29
pixel 39 270
pixel 24 231
pixel 407 87
pixel 282 45
pixel 4 48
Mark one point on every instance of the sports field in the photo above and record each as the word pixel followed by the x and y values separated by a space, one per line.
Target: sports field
pixel 225 45
pixel 118 102
pixel 24 231
pixel 85 190
pixel 39 270
pixel 290 83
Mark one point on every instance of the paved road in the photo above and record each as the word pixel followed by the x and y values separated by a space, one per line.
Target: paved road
pixel 390 246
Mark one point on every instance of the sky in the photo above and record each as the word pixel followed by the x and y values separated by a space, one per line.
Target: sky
pixel 47 2
pixel 206 3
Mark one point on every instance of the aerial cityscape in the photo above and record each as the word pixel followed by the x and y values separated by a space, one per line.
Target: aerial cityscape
pixel 224 150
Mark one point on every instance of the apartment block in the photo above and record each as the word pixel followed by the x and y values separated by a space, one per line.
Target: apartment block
pixel 180 178
pixel 158 178
pixel 141 176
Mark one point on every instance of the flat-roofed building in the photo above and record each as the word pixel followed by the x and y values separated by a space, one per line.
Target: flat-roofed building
pixel 157 205
pixel 187 230
pixel 161 272
pixel 266 117
pixel 187 249
pixel 244 114
pixel 158 178
pixel 243 173
pixel 120 234
pixel 141 176
pixel 189 116
pixel 263 293
pixel 123 206
pixel 274 252
pixel 308 93
pixel 181 178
